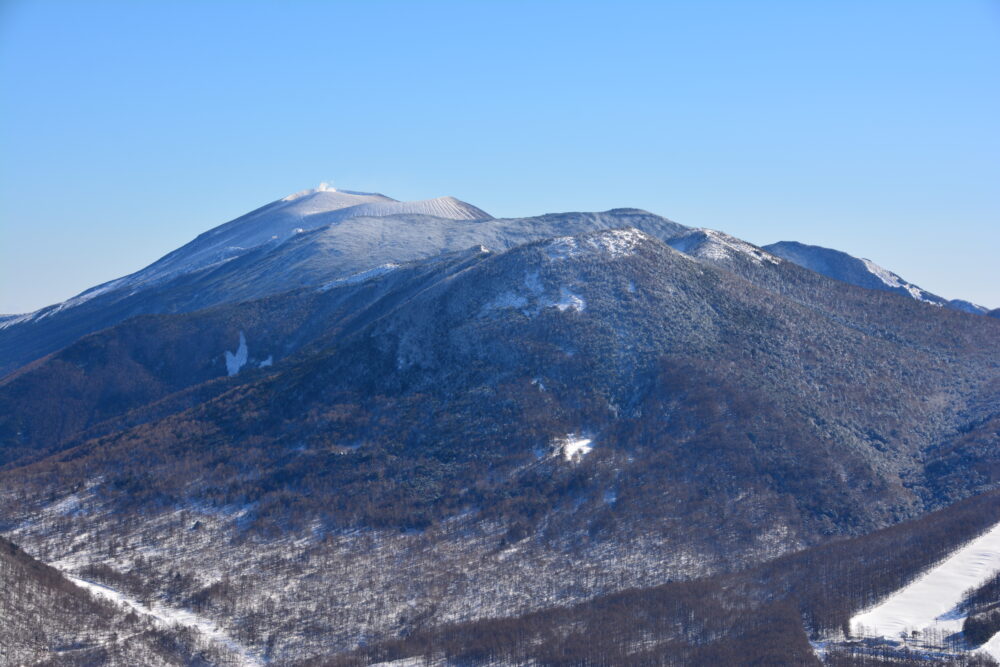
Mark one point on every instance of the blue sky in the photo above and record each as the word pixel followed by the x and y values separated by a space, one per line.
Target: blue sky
pixel 870 126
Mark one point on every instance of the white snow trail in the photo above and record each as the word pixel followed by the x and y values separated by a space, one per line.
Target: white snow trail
pixel 930 602
pixel 168 616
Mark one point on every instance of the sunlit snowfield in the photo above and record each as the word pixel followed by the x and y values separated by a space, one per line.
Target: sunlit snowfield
pixel 930 606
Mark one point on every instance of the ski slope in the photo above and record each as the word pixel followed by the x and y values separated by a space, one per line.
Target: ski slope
pixel 931 602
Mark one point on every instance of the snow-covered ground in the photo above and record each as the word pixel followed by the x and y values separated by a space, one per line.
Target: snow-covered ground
pixel 714 245
pixel 359 583
pixel 929 605
pixel 895 282
pixel 614 243
pixel 575 447
pixel 169 617
pixel 567 301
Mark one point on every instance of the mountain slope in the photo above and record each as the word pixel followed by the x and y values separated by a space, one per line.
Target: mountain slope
pixel 344 239
pixel 341 422
pixel 145 360
pixel 275 222
pixel 861 272
pixel 760 616
pixel 735 407
pixel 45 619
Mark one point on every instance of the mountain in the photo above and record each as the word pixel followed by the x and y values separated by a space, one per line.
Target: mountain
pixel 279 221
pixel 535 427
pixel 394 434
pixel 861 272
pixel 304 240
pixel 275 224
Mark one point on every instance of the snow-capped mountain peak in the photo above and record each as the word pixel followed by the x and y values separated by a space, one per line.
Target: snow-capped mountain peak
pixel 269 225
pixel 326 187
pixel 299 212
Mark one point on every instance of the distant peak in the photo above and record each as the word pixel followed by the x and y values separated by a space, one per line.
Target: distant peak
pixel 326 187
pixel 322 187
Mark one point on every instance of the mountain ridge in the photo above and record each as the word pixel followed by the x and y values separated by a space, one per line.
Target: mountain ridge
pixel 862 272
pixel 335 248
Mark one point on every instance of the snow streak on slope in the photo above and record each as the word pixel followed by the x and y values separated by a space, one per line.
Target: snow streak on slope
pixel 931 602
pixel 169 617
pixel 234 362
pixel 895 282
pixel 360 277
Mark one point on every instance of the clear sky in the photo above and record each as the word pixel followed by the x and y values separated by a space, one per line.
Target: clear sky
pixel 127 128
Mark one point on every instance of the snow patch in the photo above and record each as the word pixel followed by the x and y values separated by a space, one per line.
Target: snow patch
pixel 886 276
pixel 567 301
pixel 234 362
pixel 574 447
pixel 535 300
pixel 11 320
pixel 267 362
pixel 81 298
pixel 617 242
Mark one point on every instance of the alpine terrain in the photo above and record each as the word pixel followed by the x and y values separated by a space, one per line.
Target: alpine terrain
pixel 346 430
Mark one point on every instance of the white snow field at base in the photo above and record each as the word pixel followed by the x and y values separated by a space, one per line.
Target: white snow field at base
pixel 930 602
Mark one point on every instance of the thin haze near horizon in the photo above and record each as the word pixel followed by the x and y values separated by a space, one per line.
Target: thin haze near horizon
pixel 126 129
